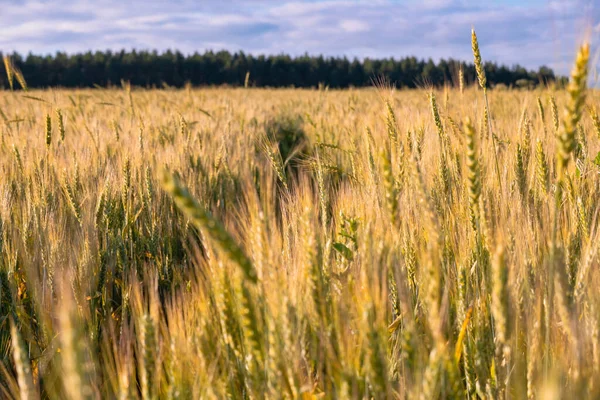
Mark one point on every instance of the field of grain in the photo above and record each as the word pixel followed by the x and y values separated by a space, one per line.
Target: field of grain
pixel 256 243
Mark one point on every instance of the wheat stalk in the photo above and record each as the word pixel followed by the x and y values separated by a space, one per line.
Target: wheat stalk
pixel 204 220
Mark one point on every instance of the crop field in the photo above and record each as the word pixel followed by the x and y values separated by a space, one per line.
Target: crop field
pixel 286 243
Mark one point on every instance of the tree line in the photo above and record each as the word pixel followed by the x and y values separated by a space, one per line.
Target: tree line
pixel 172 68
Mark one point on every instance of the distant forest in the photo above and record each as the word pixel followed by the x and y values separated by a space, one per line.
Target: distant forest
pixel 153 69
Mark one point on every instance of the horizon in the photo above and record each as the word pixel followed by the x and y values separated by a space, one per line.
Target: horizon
pixel 537 33
pixel 256 55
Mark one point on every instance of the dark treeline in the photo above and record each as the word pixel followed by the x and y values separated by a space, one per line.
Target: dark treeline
pixel 145 68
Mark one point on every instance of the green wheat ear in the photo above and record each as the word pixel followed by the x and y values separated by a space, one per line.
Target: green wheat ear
pixel 391 195
pixel 203 219
pixel 61 124
pixel 541 168
pixel 48 130
pixel 520 171
pixel 473 178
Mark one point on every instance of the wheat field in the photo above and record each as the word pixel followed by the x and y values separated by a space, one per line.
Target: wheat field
pixel 262 243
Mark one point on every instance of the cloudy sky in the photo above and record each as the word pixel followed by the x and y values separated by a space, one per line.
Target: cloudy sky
pixel 528 32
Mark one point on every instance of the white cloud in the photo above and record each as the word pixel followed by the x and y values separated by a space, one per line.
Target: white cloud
pixel 354 25
pixel 529 33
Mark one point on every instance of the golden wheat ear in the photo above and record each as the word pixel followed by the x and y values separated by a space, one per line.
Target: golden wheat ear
pixel 22 364
pixel 477 59
pixel 9 71
pixel 574 107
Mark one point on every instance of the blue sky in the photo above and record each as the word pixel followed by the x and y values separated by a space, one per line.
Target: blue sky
pixel 528 32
